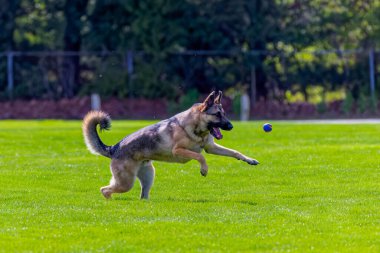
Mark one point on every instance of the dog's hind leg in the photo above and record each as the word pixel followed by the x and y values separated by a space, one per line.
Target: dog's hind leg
pixel 146 177
pixel 123 177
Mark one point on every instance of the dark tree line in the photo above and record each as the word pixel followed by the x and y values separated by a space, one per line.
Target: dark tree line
pixel 164 29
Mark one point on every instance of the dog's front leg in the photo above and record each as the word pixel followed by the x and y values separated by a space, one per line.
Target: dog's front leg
pixel 193 155
pixel 220 150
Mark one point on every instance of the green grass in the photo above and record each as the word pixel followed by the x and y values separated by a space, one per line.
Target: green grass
pixel 317 189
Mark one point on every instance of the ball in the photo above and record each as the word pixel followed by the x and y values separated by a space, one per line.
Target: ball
pixel 267 127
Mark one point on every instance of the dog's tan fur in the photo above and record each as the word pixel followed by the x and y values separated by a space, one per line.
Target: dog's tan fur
pixel 177 139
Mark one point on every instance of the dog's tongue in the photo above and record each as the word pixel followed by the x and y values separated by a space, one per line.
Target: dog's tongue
pixel 217 134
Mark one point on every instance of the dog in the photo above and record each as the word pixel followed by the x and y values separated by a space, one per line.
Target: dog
pixel 179 139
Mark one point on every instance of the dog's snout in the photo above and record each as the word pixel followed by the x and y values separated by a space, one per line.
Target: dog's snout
pixel 229 126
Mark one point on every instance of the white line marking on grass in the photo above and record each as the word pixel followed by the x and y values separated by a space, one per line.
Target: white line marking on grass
pixel 334 121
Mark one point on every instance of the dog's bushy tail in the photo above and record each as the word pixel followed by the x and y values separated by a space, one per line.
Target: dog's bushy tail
pixel 91 137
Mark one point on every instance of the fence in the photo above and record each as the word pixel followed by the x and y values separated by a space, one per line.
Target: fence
pixel 60 74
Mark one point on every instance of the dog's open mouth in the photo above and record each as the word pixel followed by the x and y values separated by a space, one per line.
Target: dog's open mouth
pixel 215 131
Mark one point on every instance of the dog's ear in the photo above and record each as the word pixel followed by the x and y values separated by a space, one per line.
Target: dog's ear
pixel 218 99
pixel 209 101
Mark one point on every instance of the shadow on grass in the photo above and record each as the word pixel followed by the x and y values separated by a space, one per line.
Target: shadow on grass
pixel 120 197
pixel 183 200
pixel 219 201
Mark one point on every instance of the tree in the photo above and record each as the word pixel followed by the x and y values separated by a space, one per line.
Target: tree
pixel 74 10
pixel 7 23
pixel 7 26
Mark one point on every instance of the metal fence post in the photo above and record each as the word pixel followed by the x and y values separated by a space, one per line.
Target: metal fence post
pixel 95 102
pixel 10 74
pixel 371 60
pixel 244 107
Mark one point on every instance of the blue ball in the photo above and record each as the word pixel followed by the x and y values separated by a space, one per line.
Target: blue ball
pixel 267 127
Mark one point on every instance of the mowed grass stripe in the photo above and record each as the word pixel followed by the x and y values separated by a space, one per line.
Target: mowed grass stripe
pixel 317 189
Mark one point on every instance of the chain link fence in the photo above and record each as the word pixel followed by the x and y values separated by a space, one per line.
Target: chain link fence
pixel 293 76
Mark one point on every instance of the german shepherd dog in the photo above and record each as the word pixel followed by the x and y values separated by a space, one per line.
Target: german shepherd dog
pixel 180 139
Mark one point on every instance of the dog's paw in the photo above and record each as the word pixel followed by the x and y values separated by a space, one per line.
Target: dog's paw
pixel 204 171
pixel 252 162
pixel 106 193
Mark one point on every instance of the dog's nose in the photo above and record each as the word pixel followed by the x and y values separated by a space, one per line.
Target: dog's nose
pixel 229 126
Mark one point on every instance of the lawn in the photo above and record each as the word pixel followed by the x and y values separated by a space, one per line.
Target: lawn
pixel 317 189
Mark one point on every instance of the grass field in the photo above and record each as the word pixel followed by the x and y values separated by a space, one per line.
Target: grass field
pixel 317 189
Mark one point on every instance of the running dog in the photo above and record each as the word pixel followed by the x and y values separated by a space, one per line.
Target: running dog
pixel 179 139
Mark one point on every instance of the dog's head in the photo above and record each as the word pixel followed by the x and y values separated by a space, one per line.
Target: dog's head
pixel 214 115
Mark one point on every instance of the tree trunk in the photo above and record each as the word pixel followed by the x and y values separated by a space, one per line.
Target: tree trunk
pixel 261 77
pixel 261 80
pixel 70 69
pixel 258 10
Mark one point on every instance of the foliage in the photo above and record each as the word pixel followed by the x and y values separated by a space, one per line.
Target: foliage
pixel 362 103
pixel 236 105
pixel 185 101
pixel 235 94
pixel 164 29
pixel 372 104
pixel 316 188
pixel 113 82
pixel 348 103
pixel 321 107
